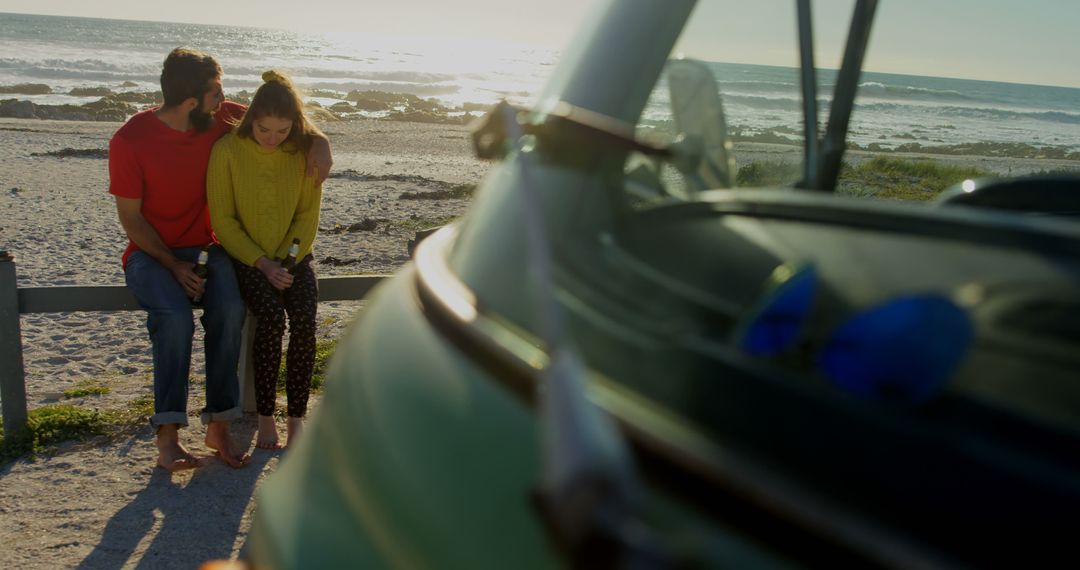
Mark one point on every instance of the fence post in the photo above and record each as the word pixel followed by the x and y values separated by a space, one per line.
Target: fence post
pixel 12 381
pixel 246 371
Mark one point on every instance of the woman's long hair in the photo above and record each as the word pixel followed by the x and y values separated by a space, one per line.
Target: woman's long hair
pixel 278 98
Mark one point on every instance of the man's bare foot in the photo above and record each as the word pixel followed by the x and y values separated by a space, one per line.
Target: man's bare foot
pixel 294 426
pixel 171 455
pixel 267 437
pixel 218 439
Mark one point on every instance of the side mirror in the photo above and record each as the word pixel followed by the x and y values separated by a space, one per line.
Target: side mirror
pixel 702 149
pixel 1048 195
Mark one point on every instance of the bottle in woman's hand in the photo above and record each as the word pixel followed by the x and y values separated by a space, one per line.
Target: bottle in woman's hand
pixel 289 263
pixel 201 271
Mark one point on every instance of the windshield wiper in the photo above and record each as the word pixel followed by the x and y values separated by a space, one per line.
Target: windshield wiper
pixel 822 170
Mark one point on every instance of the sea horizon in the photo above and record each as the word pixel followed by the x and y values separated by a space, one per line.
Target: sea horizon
pixel 525 44
pixel 892 109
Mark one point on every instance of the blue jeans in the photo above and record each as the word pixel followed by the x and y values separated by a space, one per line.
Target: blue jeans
pixel 171 325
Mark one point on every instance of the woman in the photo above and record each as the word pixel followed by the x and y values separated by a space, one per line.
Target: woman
pixel 260 201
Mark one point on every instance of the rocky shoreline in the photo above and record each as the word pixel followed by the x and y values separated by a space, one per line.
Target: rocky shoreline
pixel 117 106
pixel 333 106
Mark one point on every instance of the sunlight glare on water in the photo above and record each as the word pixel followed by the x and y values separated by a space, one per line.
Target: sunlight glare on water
pixel 454 70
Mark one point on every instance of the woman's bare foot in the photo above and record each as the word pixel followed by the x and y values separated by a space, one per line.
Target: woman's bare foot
pixel 294 426
pixel 218 439
pixel 171 455
pixel 267 437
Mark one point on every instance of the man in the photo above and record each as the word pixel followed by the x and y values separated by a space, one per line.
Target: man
pixel 157 173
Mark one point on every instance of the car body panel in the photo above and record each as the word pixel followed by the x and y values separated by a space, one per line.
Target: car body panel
pixel 429 447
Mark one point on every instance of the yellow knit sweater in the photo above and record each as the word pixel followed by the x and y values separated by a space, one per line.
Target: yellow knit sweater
pixel 260 200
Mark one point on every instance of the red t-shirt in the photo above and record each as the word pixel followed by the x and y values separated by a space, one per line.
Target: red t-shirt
pixel 166 168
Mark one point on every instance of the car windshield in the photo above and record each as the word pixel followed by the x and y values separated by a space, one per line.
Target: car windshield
pixel 910 137
pixel 745 118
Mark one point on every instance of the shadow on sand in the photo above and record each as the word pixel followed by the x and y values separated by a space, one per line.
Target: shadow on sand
pixel 182 520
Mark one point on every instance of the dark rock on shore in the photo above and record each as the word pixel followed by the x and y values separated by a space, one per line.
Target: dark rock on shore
pixel 90 91
pixel 416 116
pixel 342 107
pixel 69 152
pixel 26 89
pixel 373 105
pixel 324 93
pixel 16 109
pixel 103 109
pixel 453 192
pixel 112 106
pixel 109 105
pixel 382 101
pixel 335 262
pixel 243 97
pixel 144 99
pixel 424 181
pixel 365 225
pixel 378 97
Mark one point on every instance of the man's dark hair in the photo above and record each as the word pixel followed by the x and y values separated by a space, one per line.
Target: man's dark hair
pixel 186 73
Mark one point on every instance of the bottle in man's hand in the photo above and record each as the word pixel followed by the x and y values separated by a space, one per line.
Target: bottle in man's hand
pixel 289 263
pixel 200 271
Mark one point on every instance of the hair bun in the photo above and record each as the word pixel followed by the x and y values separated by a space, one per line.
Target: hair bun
pixel 271 75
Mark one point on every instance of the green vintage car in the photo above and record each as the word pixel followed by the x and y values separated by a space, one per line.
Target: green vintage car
pixel 615 359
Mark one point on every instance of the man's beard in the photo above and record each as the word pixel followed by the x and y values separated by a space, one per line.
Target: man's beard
pixel 200 119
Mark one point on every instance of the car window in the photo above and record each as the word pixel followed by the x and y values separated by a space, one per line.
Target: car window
pixel 748 122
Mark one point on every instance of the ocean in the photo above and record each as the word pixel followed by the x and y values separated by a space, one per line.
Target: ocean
pixel 891 110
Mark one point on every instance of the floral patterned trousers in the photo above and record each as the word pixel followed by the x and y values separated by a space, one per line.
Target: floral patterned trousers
pixel 299 302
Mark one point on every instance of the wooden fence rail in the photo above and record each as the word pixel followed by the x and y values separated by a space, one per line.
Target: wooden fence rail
pixel 15 301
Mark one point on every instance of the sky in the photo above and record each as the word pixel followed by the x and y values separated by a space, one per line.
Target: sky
pixel 1020 41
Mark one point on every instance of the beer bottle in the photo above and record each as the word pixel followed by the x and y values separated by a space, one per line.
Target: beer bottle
pixel 200 270
pixel 289 264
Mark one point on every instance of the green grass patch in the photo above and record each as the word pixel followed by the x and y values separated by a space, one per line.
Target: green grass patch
pixel 85 388
pixel 324 349
pixel 880 177
pixel 137 413
pixel 757 174
pixel 49 426
pixel 903 179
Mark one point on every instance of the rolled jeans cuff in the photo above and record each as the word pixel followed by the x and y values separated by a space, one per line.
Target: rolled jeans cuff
pixel 225 416
pixel 167 418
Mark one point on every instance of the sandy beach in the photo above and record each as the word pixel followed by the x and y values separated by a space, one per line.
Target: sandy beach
pixel 102 503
